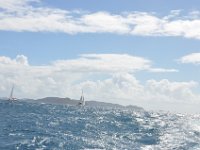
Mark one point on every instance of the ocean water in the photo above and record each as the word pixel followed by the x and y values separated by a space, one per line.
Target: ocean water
pixel 55 127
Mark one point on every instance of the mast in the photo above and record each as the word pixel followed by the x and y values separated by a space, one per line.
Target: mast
pixel 11 98
pixel 82 97
pixel 11 93
pixel 82 100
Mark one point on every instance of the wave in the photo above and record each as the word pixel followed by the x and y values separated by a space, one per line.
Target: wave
pixel 45 126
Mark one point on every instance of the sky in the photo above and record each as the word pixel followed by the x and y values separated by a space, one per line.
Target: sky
pixel 144 53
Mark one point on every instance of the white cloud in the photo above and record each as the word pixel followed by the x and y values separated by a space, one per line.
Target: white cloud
pixel 125 89
pixel 146 24
pixel 162 70
pixel 20 60
pixel 20 15
pixel 109 63
pixel 105 63
pixel 193 58
pixel 178 91
pixel 62 73
pixel 104 77
pixel 11 5
pixel 105 22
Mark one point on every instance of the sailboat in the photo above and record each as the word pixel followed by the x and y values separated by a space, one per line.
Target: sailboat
pixel 82 100
pixel 11 98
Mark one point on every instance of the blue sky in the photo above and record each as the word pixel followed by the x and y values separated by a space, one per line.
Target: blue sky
pixel 74 44
pixel 161 6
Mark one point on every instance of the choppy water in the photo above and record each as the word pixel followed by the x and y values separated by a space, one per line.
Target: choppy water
pixel 41 126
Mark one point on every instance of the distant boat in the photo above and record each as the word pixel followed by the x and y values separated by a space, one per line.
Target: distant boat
pixel 11 98
pixel 82 100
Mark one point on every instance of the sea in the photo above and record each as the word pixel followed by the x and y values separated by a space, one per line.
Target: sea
pixel 34 126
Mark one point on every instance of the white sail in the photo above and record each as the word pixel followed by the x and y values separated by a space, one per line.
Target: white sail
pixel 82 100
pixel 11 93
pixel 11 98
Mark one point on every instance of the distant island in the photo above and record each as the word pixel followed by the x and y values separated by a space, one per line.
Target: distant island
pixel 68 101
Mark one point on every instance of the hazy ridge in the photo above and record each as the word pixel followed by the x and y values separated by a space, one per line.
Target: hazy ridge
pixel 68 101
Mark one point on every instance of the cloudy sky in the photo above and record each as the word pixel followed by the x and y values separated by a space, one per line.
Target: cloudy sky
pixel 121 51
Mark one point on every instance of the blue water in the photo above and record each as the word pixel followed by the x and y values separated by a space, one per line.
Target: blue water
pixel 44 126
